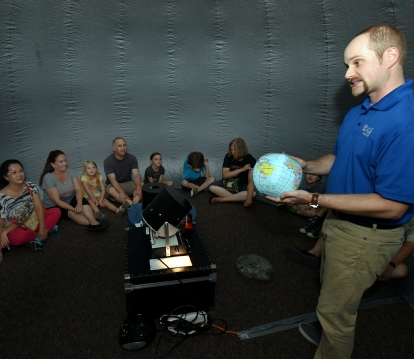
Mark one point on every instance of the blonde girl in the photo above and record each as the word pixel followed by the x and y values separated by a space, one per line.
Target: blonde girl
pixel 93 189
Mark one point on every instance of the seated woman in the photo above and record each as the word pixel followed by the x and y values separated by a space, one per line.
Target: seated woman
pixel 23 219
pixel 62 189
pixel 237 172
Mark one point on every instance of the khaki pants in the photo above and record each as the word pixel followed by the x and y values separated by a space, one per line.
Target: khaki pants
pixel 127 187
pixel 352 259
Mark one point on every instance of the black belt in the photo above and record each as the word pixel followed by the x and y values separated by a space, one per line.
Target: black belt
pixel 361 222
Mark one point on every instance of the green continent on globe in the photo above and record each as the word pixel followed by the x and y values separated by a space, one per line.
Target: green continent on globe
pixel 265 169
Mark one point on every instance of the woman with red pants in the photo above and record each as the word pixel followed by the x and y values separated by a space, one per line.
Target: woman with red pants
pixel 23 219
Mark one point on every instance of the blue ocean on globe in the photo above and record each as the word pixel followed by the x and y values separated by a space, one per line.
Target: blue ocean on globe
pixel 275 173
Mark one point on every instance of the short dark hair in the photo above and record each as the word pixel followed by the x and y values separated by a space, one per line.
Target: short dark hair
pixel 117 138
pixel 195 159
pixel 154 154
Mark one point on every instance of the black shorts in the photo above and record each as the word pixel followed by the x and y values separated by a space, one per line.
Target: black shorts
pixel 73 203
pixel 409 262
pixel 199 181
pixel 219 183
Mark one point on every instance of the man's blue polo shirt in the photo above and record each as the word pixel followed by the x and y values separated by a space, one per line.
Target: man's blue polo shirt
pixel 374 150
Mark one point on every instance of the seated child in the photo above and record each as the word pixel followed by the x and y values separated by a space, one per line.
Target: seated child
pixel 400 266
pixel 196 173
pixel 312 183
pixel 93 189
pixel 155 172
pixel 403 262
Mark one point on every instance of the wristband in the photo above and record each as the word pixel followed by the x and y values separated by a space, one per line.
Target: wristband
pixel 392 264
pixel 314 202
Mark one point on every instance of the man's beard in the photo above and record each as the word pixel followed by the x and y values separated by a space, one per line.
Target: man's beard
pixel 364 86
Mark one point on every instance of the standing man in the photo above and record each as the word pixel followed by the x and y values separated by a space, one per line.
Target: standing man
pixel 368 191
pixel 123 181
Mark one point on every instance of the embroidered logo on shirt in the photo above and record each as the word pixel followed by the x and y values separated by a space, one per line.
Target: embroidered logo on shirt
pixel 366 131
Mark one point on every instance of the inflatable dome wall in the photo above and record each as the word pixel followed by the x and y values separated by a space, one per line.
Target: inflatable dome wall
pixel 176 76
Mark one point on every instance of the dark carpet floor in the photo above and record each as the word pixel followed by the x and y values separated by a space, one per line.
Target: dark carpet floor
pixel 68 300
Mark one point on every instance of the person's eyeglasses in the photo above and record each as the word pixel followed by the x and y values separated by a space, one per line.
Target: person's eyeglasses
pixel 14 173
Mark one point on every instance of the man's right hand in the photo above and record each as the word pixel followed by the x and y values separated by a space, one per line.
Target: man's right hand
pixel 385 275
pixel 123 197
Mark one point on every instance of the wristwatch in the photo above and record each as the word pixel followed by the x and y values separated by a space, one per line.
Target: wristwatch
pixel 314 202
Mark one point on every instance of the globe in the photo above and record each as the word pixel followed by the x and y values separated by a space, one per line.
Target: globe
pixel 275 173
